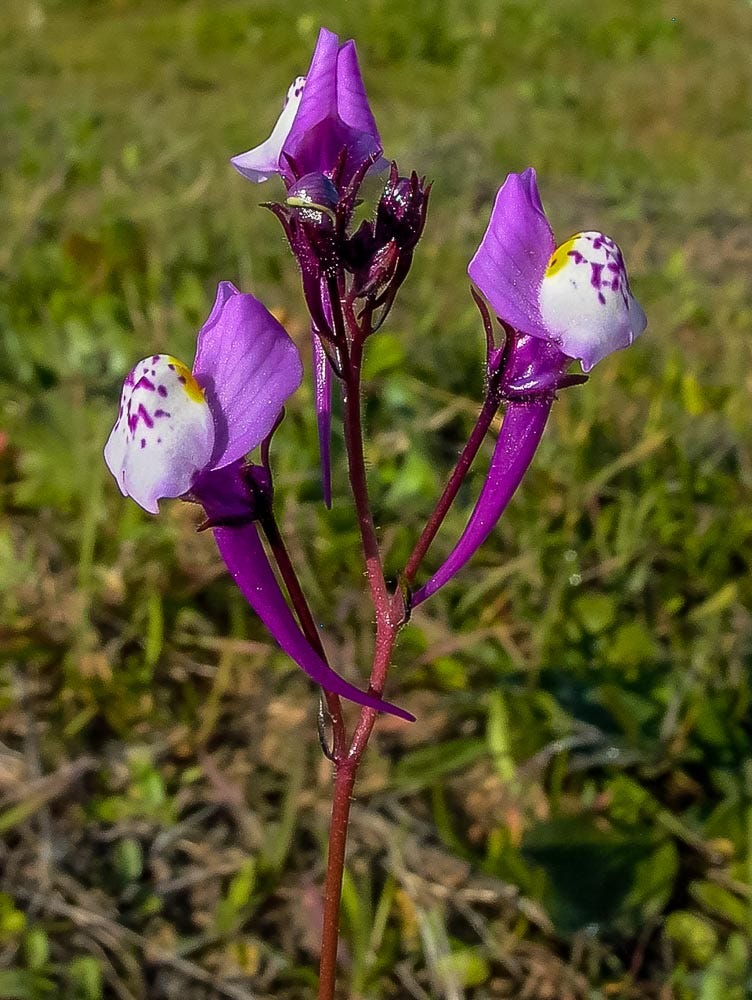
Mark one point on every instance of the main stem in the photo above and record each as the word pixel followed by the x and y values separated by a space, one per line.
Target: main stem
pixel 343 785
pixel 344 781
pixel 389 613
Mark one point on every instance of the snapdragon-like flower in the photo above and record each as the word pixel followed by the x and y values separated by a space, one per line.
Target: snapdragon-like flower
pixel 175 424
pixel 325 112
pixel 557 304
pixel 326 129
pixel 183 432
pixel 575 295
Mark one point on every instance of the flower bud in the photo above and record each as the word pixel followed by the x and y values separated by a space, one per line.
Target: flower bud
pixel 401 213
pixel 315 197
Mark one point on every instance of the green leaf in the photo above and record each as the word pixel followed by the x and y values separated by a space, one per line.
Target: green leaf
pixel 86 977
pixel 720 902
pixel 596 612
pixel 631 646
pixel 129 861
pixel 423 767
pixel 18 984
pixel 499 735
pixel 468 965
pixel 594 875
pixel 693 936
pixel 36 948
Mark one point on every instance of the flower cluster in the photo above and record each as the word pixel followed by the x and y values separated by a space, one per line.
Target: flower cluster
pixel 187 433
pixel 323 145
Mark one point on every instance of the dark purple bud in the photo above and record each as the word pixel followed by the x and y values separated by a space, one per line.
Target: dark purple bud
pixel 380 271
pixel 401 212
pixel 349 197
pixel 315 199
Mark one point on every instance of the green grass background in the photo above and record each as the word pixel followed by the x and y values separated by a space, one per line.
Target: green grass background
pixel 571 816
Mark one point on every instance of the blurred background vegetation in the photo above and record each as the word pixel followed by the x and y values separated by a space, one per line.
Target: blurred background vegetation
pixel 571 816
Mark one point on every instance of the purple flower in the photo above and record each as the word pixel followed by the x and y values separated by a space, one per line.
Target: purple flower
pixel 576 295
pixel 174 424
pixel 184 433
pixel 325 113
pixel 558 304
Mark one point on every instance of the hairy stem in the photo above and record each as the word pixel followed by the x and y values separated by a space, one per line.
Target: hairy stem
pixel 386 635
pixel 389 614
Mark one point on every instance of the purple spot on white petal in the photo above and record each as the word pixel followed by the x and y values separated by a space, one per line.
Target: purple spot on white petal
pixel 141 414
pixel 596 274
pixel 162 390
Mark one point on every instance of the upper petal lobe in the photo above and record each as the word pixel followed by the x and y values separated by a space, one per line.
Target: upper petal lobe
pixel 511 260
pixel 248 366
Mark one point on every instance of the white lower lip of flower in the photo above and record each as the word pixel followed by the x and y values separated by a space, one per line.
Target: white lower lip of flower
pixel 585 300
pixel 164 433
pixel 259 163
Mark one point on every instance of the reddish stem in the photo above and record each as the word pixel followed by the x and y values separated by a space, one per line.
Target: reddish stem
pixel 389 613
pixel 343 786
pixel 451 489
pixel 386 635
